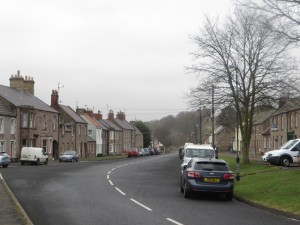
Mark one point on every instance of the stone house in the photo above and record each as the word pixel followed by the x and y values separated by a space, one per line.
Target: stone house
pixel 129 132
pixel 36 124
pixel 73 134
pixel 224 137
pixel 114 136
pixel 284 124
pixel 260 139
pixel 8 131
pixel 139 138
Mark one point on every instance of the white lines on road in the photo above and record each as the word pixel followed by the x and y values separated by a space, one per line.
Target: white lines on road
pixel 122 193
pixel 131 199
pixel 1 176
pixel 140 204
pixel 174 221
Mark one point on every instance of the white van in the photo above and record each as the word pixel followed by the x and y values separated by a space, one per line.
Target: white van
pixel 287 154
pixel 33 155
pixel 195 150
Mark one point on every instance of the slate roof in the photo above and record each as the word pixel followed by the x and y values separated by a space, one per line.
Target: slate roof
pixel 262 116
pixel 136 129
pixel 290 105
pixel 4 111
pixel 124 124
pixel 103 124
pixel 19 99
pixel 112 125
pixel 72 114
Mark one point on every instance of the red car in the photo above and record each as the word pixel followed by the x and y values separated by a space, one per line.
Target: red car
pixel 133 152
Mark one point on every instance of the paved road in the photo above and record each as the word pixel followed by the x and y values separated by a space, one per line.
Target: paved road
pixel 132 191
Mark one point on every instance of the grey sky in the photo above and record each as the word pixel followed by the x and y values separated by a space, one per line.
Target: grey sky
pixel 126 55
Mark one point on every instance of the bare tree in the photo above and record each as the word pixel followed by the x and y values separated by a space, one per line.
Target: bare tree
pixel 285 15
pixel 242 63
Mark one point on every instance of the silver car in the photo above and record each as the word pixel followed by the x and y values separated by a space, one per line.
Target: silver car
pixel 69 156
pixel 4 159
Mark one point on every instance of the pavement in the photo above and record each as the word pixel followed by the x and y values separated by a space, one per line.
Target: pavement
pixel 11 213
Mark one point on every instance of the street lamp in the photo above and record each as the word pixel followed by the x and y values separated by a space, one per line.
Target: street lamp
pixel 237 122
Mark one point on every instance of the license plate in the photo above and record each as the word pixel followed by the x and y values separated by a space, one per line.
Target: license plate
pixel 211 179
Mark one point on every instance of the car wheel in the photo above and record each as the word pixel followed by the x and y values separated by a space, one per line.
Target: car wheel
pixel 4 166
pixel 72 160
pixel 22 163
pixel 37 162
pixel 60 160
pixel 285 161
pixel 229 196
pixel 46 162
pixel 186 193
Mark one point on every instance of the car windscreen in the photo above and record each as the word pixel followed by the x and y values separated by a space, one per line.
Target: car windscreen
pixel 289 144
pixel 201 153
pixel 211 166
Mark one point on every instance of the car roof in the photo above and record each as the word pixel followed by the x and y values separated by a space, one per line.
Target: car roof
pixel 196 159
pixel 200 147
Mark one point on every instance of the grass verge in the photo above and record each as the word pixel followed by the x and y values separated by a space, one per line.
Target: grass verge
pixel 270 186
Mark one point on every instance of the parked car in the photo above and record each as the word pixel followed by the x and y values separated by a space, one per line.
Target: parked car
pixel 146 150
pixel 33 155
pixel 193 150
pixel 4 159
pixel 142 152
pixel 207 175
pixel 133 152
pixel 151 151
pixel 287 154
pixel 69 156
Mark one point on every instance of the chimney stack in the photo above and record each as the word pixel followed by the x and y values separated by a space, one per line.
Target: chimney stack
pixel 54 99
pixel 17 82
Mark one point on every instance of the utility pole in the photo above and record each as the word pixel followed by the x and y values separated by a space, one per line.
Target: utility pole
pixel 213 116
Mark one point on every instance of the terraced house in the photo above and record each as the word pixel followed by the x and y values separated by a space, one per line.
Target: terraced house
pixel 31 121
pixel 72 129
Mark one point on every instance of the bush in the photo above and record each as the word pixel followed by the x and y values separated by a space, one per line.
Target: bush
pixel 99 155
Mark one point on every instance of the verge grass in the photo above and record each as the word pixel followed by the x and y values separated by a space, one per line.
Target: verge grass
pixel 270 186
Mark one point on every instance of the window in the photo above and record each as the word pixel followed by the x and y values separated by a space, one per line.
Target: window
pixel 44 122
pixel 1 125
pixel 111 135
pixel 32 120
pixel 54 123
pixel 2 146
pixel 68 127
pixel 13 126
pixel 24 119
pixel 45 145
pixel 90 132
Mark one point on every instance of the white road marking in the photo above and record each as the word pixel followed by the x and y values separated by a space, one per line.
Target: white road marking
pixel 174 221
pixel 111 183
pixel 109 172
pixel 122 193
pixel 107 177
pixel 1 176
pixel 140 204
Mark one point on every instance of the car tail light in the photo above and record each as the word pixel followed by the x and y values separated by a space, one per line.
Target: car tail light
pixel 194 174
pixel 228 176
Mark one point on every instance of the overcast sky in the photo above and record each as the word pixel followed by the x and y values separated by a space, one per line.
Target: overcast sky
pixel 124 55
